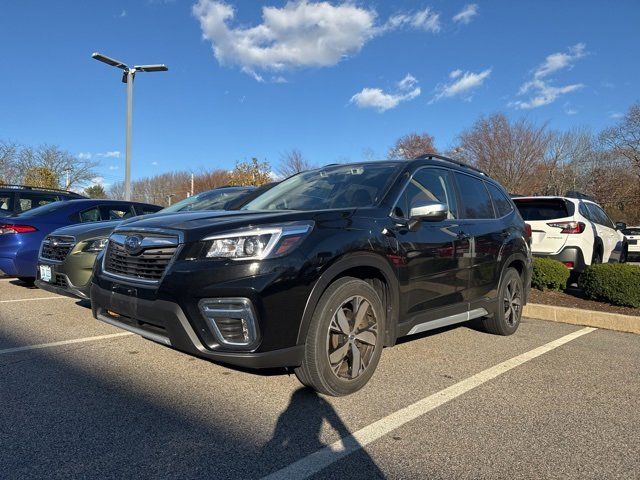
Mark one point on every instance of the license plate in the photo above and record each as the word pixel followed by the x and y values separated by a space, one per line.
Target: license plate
pixel 45 273
pixel 633 242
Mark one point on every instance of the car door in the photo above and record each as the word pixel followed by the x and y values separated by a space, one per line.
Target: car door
pixel 479 222
pixel 432 273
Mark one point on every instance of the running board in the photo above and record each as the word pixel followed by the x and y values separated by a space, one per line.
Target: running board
pixel 451 320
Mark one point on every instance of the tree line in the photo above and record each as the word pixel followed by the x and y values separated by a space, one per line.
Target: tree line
pixel 527 158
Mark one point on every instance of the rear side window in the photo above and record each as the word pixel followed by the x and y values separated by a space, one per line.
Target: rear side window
pixel 501 203
pixel 27 201
pixel 599 216
pixel 476 202
pixel 542 208
pixel 428 185
pixel 5 203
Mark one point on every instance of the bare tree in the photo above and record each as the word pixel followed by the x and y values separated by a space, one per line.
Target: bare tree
pixel 511 152
pixel 411 146
pixel 9 171
pixel 624 138
pixel 570 156
pixel 292 162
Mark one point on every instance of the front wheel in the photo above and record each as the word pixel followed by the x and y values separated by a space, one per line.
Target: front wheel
pixel 345 338
pixel 508 312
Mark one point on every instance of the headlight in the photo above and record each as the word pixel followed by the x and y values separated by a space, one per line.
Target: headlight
pixel 256 243
pixel 96 245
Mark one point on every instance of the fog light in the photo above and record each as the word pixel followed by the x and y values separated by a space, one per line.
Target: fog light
pixel 232 320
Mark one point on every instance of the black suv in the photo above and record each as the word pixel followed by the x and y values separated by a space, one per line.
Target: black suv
pixel 324 270
pixel 20 198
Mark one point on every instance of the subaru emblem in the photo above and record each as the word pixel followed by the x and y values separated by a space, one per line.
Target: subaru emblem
pixel 133 244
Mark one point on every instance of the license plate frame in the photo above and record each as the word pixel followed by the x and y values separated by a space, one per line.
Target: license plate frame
pixel 46 273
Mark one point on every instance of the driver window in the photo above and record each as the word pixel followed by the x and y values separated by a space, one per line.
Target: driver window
pixel 428 185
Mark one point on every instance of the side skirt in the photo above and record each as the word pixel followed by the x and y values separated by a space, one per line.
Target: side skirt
pixel 451 320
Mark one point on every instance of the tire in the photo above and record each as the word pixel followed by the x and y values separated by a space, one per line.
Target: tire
pixel 624 255
pixel 597 257
pixel 508 313
pixel 337 334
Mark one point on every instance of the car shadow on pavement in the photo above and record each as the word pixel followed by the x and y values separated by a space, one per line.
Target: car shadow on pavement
pixel 66 414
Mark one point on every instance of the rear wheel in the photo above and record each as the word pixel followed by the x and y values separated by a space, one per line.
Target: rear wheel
pixel 597 257
pixel 344 342
pixel 624 255
pixel 506 318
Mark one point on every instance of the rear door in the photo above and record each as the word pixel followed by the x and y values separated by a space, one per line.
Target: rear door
pixel 606 230
pixel 540 213
pixel 484 230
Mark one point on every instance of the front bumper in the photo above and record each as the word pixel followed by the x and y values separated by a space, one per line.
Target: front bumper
pixel 61 284
pixel 567 254
pixel 165 322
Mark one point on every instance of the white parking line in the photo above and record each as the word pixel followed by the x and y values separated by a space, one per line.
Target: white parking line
pixel 322 458
pixel 63 342
pixel 58 297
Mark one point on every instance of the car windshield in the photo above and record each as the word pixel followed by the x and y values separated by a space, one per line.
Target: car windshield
pixel 339 186
pixel 43 210
pixel 631 231
pixel 212 200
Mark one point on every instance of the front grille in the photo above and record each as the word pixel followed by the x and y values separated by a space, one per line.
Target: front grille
pixel 57 247
pixel 150 264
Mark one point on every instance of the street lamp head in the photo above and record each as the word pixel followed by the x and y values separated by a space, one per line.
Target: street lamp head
pixel 151 68
pixel 109 61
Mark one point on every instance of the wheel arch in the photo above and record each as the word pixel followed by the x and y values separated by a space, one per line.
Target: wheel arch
pixel 370 267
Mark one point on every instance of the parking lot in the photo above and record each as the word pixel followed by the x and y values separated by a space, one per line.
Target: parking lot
pixel 79 398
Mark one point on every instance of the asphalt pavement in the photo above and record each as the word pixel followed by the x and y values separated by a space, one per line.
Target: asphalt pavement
pixel 79 398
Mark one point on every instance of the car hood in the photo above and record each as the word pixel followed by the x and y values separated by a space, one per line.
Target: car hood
pixel 82 231
pixel 196 225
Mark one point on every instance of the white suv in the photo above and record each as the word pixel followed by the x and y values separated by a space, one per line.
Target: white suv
pixel 633 239
pixel 574 231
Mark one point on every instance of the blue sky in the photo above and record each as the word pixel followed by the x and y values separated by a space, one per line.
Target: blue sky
pixel 339 81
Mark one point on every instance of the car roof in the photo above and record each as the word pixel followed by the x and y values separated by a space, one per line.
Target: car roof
pixel 104 201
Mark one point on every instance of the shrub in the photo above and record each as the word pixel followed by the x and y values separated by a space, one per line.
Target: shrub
pixel 549 274
pixel 616 283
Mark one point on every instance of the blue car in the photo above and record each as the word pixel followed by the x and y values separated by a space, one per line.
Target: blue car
pixel 22 234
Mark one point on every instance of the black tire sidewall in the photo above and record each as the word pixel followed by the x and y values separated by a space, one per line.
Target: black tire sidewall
pixel 501 322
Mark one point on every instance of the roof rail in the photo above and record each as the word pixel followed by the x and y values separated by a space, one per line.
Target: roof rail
pixel 31 187
pixel 431 156
pixel 579 195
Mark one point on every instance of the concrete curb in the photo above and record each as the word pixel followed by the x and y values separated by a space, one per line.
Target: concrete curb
pixel 588 318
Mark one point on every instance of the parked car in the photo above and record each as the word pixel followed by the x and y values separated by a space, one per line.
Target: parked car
pixel 632 235
pixel 574 231
pixel 68 253
pixel 323 270
pixel 22 234
pixel 20 198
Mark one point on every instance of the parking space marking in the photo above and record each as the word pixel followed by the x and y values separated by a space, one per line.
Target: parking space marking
pixel 58 297
pixel 315 462
pixel 63 342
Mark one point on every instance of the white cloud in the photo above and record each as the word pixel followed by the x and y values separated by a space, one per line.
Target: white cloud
pixel 407 89
pixel 466 14
pixel 113 167
pixel 299 34
pixel 112 154
pixel 616 115
pixel 84 155
pixel 426 19
pixel 462 83
pixel 543 92
pixel 569 110
pixel 154 163
pixel 123 13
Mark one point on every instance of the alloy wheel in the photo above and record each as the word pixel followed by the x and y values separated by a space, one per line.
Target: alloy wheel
pixel 352 337
pixel 512 302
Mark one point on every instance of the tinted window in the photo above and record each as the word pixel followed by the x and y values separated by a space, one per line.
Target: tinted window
pixel 428 185
pixel 28 201
pixel 90 215
pixel 599 216
pixel 631 231
pixel 476 202
pixel 5 201
pixel 501 203
pixel 211 200
pixel 541 208
pixel 116 212
pixel 340 186
pixel 44 210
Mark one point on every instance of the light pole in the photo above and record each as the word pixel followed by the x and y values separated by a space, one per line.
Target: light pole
pixel 128 75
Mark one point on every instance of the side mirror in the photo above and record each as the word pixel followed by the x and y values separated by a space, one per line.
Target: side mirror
pixel 621 225
pixel 429 212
